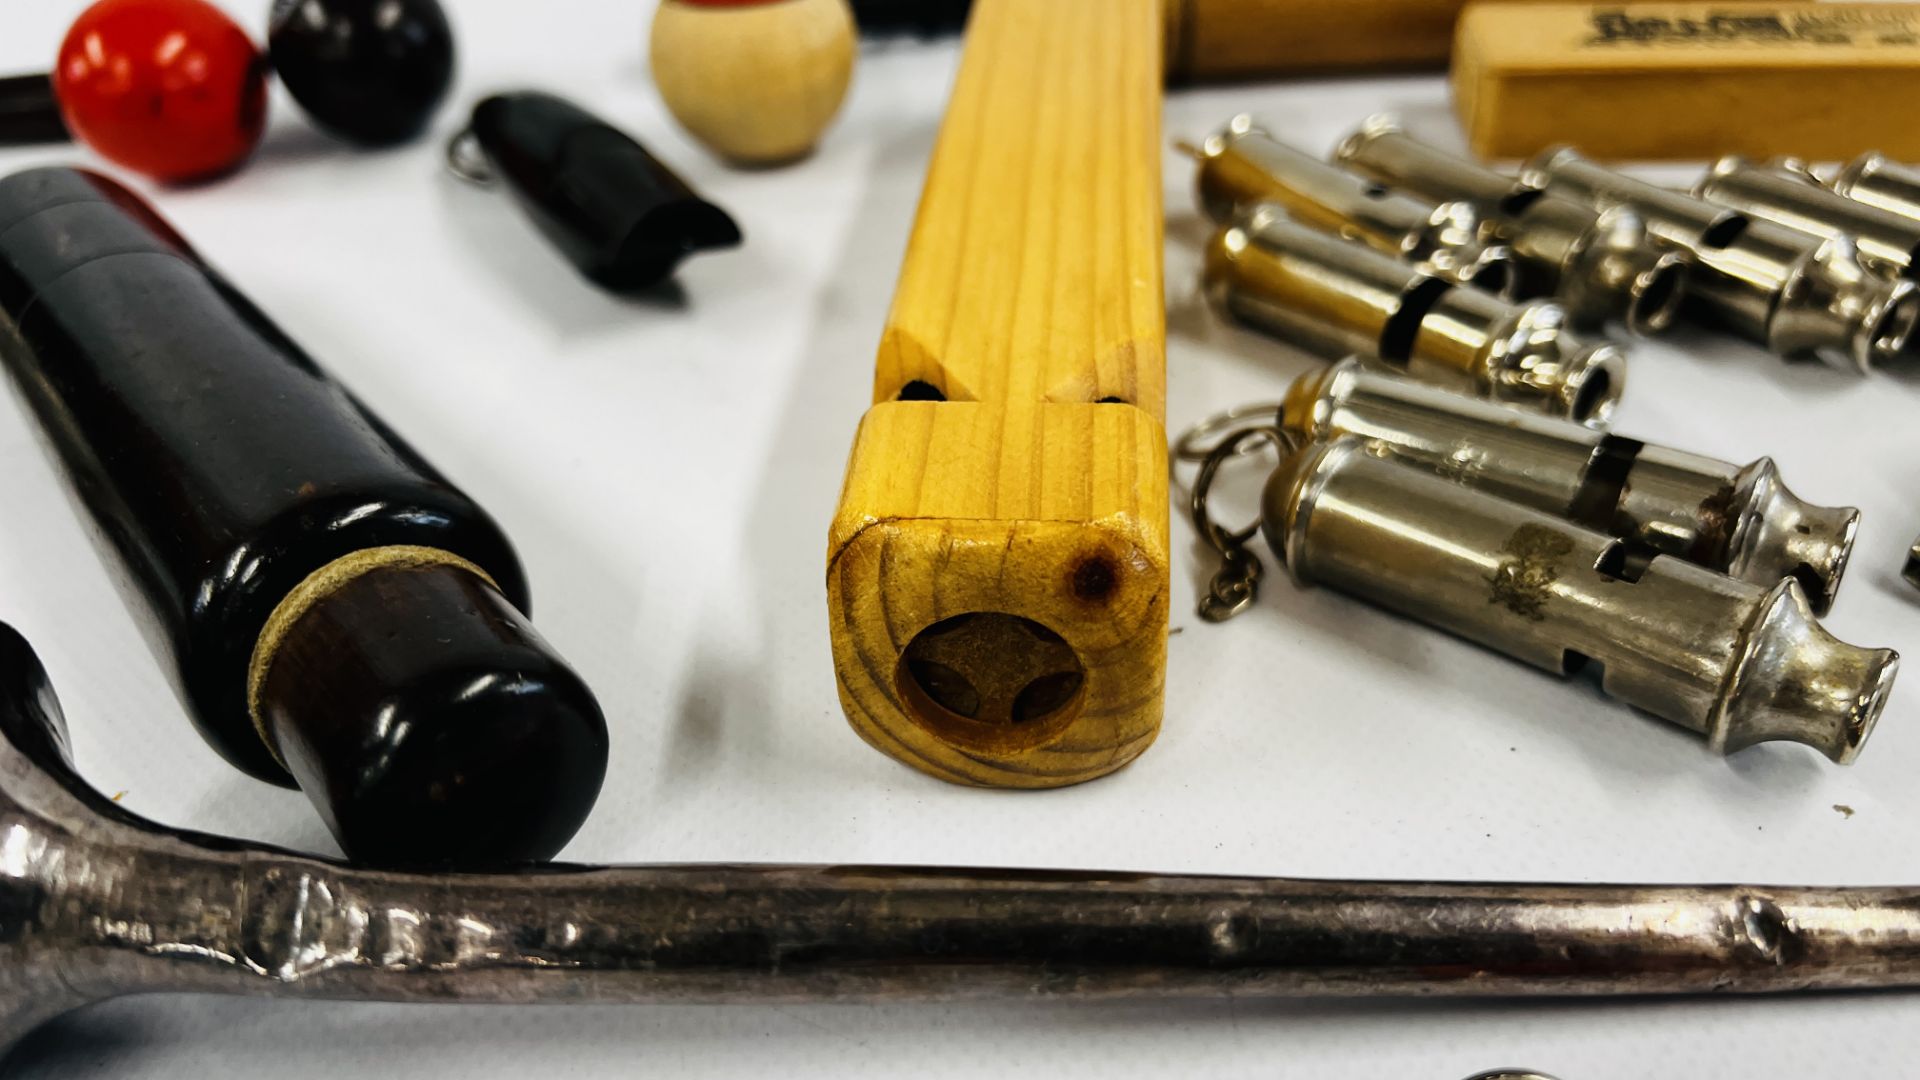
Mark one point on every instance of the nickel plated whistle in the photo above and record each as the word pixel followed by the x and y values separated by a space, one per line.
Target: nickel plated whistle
pixel 1738 520
pixel 1877 180
pixel 1797 295
pixel 1787 193
pixel 1739 663
pixel 1603 265
pixel 1242 165
pixel 1337 299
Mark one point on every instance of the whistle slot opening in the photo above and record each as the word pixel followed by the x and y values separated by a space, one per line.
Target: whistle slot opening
pixel 1403 326
pixel 1604 484
pixel 1625 561
pixel 1584 669
pixel 1518 202
pixel 1724 232
pixel 920 390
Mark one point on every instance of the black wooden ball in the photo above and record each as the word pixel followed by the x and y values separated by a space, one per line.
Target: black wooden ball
pixel 369 71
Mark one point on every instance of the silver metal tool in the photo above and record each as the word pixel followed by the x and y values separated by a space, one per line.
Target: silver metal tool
pixel 1736 662
pixel 1242 165
pixel 1787 193
pixel 102 903
pixel 1738 520
pixel 1336 299
pixel 1912 573
pixel 1799 296
pixel 1877 180
pixel 1602 265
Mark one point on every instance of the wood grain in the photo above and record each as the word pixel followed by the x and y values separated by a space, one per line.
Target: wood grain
pixel 1808 80
pixel 757 84
pixel 1239 39
pixel 1031 304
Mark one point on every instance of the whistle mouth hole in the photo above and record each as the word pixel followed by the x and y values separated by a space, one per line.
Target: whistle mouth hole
pixel 1658 302
pixel 1594 398
pixel 1895 329
pixel 1813 584
pixel 920 390
pixel 990 682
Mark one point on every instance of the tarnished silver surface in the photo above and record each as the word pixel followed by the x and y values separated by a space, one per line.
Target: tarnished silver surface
pixel 1739 520
pixel 1602 265
pixel 1912 572
pixel 1877 180
pixel 1337 299
pixel 1738 663
pixel 1799 296
pixel 1242 165
pixel 98 903
pixel 1786 193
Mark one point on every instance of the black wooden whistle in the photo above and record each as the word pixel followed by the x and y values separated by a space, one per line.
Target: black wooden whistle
pixel 337 614
pixel 618 214
pixel 919 18
pixel 29 112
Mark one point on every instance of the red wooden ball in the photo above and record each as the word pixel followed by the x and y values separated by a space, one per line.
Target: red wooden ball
pixel 170 88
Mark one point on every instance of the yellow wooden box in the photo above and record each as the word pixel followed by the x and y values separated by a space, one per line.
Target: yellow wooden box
pixel 1661 81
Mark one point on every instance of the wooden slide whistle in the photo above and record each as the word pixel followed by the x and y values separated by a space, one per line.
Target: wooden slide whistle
pixel 998 568
pixel 336 613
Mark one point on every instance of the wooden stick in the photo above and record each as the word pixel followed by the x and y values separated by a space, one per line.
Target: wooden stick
pixel 998 568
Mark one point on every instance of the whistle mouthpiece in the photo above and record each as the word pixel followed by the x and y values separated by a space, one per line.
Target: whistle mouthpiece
pixel 1795 682
pixel 1530 357
pixel 1780 535
pixel 622 217
pixel 1836 305
pixel 1621 271
pixel 451 733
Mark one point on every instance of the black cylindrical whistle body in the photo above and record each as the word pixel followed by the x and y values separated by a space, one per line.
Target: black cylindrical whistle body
pixel 335 612
pixel 614 210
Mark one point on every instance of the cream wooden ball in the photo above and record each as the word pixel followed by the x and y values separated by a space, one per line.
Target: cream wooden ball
pixel 757 81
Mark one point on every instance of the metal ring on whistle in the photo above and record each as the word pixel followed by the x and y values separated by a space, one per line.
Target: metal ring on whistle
pixel 467 161
pixel 1188 448
pixel 1236 585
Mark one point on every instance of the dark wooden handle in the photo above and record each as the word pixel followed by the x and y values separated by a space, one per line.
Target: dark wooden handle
pixel 425 717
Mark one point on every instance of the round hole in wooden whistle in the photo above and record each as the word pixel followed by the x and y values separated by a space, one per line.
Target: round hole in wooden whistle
pixel 991 682
pixel 425 718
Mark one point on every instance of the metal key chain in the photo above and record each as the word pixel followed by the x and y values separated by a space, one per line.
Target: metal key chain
pixel 1236 585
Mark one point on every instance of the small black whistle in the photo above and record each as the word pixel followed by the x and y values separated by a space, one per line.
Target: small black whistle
pixel 919 18
pixel 618 214
pixel 337 615
pixel 29 113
